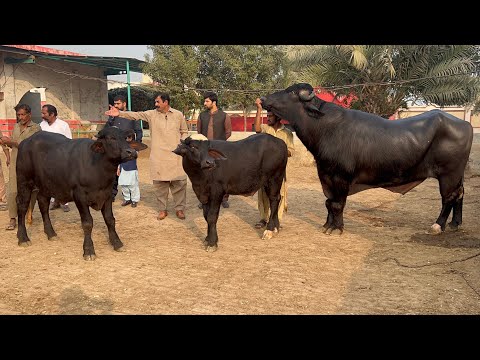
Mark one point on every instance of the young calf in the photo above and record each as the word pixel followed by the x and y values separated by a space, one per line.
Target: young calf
pixel 217 167
pixel 81 170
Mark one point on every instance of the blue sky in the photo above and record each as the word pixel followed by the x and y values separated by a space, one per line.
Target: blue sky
pixel 131 51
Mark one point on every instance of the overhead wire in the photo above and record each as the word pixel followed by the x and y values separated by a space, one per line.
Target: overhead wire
pixel 241 91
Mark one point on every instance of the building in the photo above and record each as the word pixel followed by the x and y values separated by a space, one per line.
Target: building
pixel 74 83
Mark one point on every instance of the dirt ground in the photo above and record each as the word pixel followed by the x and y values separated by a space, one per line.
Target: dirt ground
pixel 384 263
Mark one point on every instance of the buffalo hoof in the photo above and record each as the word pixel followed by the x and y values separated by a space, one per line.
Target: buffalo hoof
pixel 25 243
pixel 209 248
pixel 332 230
pixel 52 237
pixel 435 229
pixel 120 249
pixel 89 257
pixel 268 234
pixel 453 227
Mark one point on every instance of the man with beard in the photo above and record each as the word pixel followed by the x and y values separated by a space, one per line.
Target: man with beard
pixel 275 128
pixel 215 124
pixel 167 127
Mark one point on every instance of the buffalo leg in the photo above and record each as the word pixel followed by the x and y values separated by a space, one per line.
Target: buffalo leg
pixel 451 191
pixel 273 192
pixel 110 221
pixel 43 205
pixel 211 241
pixel 206 208
pixel 329 222
pixel 336 199
pixel 457 210
pixel 87 226
pixel 24 193
pixel 457 214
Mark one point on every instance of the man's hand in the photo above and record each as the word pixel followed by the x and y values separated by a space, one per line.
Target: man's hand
pixel 4 140
pixel 113 111
pixel 258 102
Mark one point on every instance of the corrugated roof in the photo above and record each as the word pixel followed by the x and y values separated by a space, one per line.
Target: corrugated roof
pixel 112 65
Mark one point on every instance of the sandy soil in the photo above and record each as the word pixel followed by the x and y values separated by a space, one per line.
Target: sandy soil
pixel 384 263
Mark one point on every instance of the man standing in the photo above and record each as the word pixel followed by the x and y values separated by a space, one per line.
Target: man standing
pixel 51 123
pixel 215 124
pixel 23 129
pixel 167 127
pixel 120 102
pixel 275 128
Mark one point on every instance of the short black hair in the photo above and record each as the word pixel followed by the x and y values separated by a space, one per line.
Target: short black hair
pixel 164 96
pixel 212 96
pixel 121 98
pixel 51 109
pixel 25 107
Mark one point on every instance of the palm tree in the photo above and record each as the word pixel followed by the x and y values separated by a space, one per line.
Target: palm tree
pixel 385 77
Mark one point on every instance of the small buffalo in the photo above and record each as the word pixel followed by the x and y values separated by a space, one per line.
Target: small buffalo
pixel 217 167
pixel 79 170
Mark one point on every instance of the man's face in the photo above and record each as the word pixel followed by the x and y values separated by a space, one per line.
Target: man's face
pixel 208 104
pixel 160 104
pixel 120 105
pixel 23 117
pixel 272 119
pixel 46 116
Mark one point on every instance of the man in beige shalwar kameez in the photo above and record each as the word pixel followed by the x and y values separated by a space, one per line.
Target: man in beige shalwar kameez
pixel 167 127
pixel 275 128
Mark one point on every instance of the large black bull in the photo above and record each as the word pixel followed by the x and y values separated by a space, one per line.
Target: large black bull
pixel 80 170
pixel 218 167
pixel 355 151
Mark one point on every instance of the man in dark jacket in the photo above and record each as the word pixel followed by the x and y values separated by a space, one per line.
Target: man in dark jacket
pixel 215 124
pixel 120 103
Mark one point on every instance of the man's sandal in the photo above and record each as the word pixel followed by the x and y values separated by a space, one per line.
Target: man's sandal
pixel 11 226
pixel 260 224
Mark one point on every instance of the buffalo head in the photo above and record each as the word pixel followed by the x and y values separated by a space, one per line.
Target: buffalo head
pixel 289 102
pixel 199 152
pixel 112 142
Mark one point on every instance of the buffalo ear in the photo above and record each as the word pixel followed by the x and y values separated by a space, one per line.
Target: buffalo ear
pixel 216 154
pixel 313 109
pixel 180 150
pixel 137 145
pixel 97 147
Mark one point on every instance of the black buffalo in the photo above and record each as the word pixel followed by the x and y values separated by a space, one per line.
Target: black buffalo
pixel 355 151
pixel 217 167
pixel 80 170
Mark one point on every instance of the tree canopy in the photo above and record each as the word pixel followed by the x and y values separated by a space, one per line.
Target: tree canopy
pixel 384 77
pixel 237 73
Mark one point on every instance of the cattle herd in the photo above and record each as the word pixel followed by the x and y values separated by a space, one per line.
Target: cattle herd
pixel 353 150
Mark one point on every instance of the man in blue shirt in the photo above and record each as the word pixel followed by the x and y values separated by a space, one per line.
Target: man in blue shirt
pixel 120 103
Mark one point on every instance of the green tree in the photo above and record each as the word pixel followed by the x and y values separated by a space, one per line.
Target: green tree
pixel 384 77
pixel 240 73
pixel 143 98
pixel 174 69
